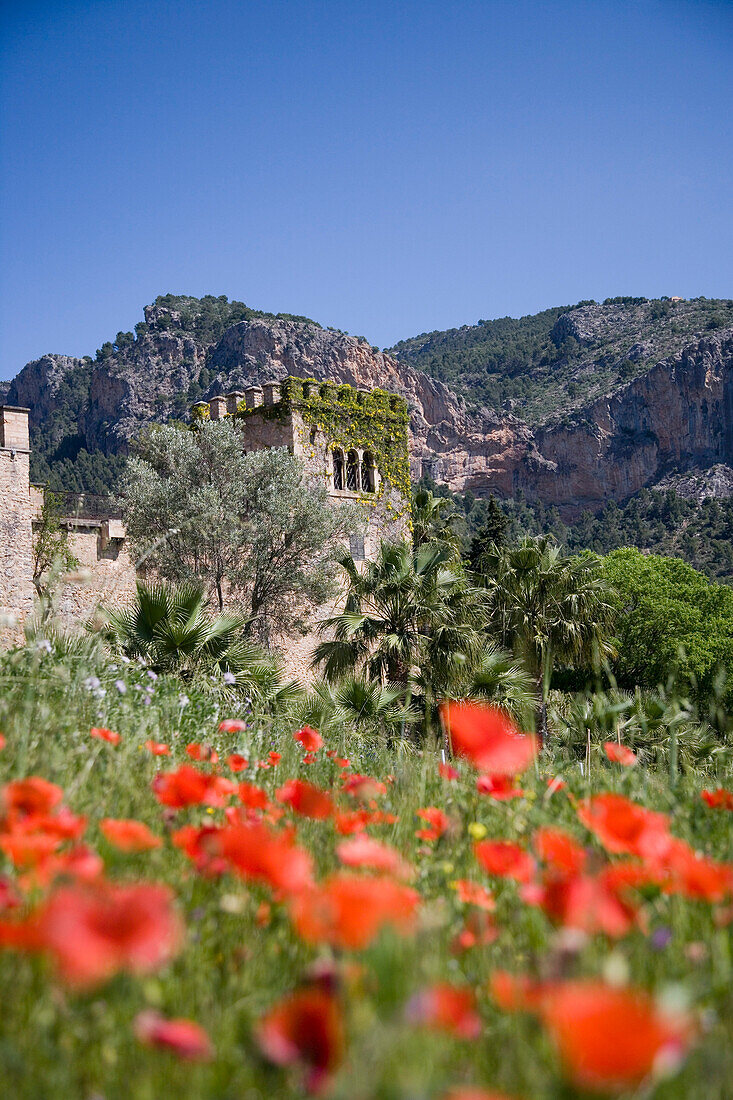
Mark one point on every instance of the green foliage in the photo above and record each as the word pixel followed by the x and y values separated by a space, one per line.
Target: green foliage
pixel 208 318
pixel 245 526
pixel 547 608
pixel 671 622
pixel 57 1043
pixel 520 364
pixel 50 544
pixel 434 519
pixel 171 631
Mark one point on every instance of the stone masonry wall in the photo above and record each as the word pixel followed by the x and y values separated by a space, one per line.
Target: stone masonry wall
pixel 105 574
pixel 16 545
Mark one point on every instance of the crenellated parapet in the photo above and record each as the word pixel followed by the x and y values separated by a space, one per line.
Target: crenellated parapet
pixel 353 441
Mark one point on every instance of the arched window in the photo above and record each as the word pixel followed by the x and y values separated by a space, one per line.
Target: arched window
pixel 338 469
pixel 352 471
pixel 368 476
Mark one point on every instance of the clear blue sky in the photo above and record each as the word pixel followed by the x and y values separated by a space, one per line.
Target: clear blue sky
pixel 384 167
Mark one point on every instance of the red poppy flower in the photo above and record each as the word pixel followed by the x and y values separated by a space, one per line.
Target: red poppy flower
pixel 583 902
pixel 158 748
pixel 29 849
pixel 95 931
pixel 357 821
pixel 184 787
pixel 555 783
pixel 516 992
pixel 252 796
pixel 274 758
pixel 610 1039
pixel 261 855
pixel 305 1029
pixel 232 725
pixel 237 763
pixel 624 826
pixel 488 738
pixel 305 799
pixel 183 1037
pixel 63 824
pixel 363 787
pixel 499 787
pixel 33 795
pixel 9 897
pixel 364 851
pixel 720 799
pixel 619 754
pixel 438 822
pixel 129 836
pixel 447 771
pixel 202 752
pixel 349 911
pixel 309 738
pixel 310 758
pixel 80 863
pixel 559 850
pixel 505 859
pixel 695 876
pixel 105 735
pixel 3 742
pixel 445 1007
pixel 472 893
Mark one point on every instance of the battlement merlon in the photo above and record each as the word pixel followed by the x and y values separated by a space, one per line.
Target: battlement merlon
pixel 14 428
pixel 333 427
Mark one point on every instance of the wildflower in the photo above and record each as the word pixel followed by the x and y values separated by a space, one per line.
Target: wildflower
pixel 445 1007
pixel 157 748
pixel 477 830
pixel 229 678
pixel 587 903
pixel 438 823
pixel 121 686
pixel 105 735
pixel 184 787
pixel 693 876
pixel 488 738
pixel 33 795
pixel 478 931
pixel 505 859
pixel 182 1037
pixel 472 893
pixel 624 826
pixel 471 1093
pixel 252 796
pixel 612 1039
pixel 237 763
pixel 305 1029
pixel 447 771
pixel 559 850
pixel 232 725
pixel 274 758
pixel 309 738
pixel 3 742
pixel 555 783
pixel 348 911
pixel 261 855
pixel 619 754
pixel 364 851
pixel 202 753
pixel 720 799
pixel 363 787
pixel 129 836
pixel 499 787
pixel 95 931
pixel 305 799
pixel 92 683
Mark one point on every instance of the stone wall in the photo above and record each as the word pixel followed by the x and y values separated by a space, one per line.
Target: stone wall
pixel 16 545
pixel 105 575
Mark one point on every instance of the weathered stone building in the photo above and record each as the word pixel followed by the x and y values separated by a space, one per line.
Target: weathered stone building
pixel 352 441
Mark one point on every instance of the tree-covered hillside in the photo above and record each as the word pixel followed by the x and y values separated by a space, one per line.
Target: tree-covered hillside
pixel 547 363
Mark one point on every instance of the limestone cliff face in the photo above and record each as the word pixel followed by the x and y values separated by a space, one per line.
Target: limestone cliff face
pixel 679 415
pixel 675 417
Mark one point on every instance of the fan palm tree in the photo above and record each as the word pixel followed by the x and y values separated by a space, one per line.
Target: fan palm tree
pixel 171 630
pixel 410 619
pixel 546 607
pixel 362 705
pixel 432 520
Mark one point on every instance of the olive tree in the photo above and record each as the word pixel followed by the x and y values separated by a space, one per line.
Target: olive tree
pixel 247 526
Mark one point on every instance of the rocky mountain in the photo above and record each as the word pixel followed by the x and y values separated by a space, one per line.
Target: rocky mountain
pixel 613 397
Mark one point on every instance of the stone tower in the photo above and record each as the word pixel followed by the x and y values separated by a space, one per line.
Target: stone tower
pixel 16 511
pixel 354 442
